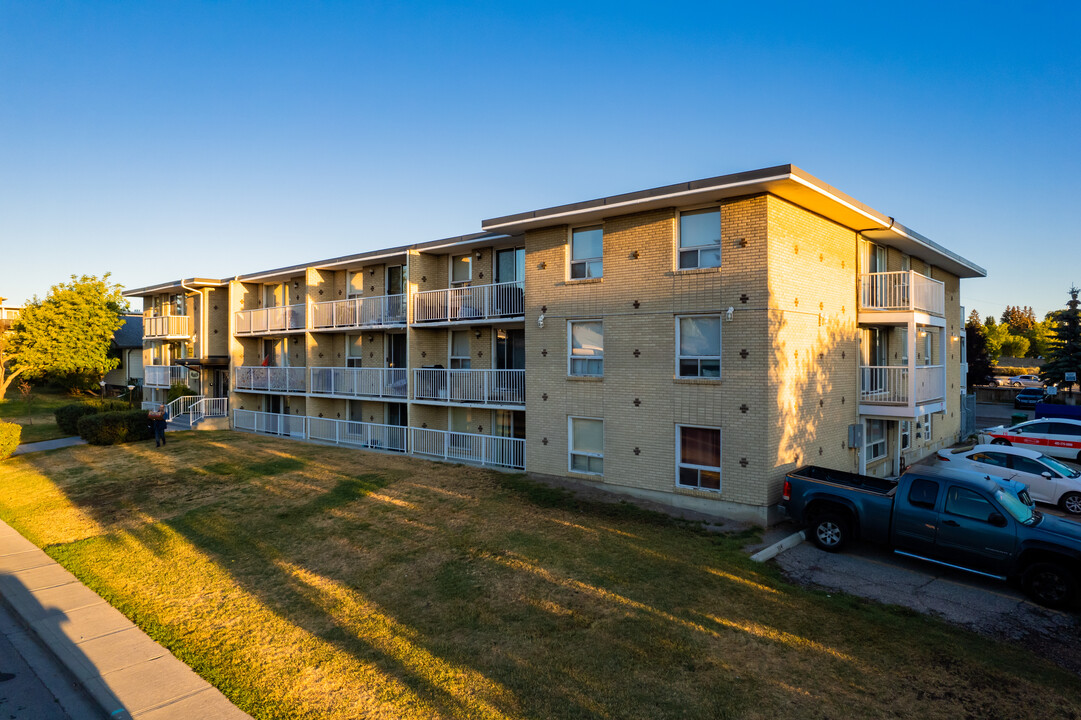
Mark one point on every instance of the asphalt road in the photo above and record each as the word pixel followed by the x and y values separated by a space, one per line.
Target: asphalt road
pixel 33 686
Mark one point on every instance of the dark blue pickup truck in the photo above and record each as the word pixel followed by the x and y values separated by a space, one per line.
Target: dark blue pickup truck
pixel 961 520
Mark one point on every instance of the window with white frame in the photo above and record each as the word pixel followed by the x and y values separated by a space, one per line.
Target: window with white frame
pixel 698 457
pixel 356 283
pixel 461 268
pixel 459 350
pixel 586 345
pixel 875 442
pixel 698 346
pixel 586 447
pixel 906 434
pixel 700 239
pixel 587 253
pixel 354 351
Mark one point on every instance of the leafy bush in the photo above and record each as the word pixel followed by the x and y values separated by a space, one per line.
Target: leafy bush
pixel 67 416
pixel 1009 370
pixel 110 428
pixel 179 390
pixel 9 438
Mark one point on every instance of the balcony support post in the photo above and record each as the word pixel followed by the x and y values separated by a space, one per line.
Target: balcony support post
pixel 911 339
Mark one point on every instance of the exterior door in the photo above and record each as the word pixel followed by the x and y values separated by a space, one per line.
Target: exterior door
pixel 396 350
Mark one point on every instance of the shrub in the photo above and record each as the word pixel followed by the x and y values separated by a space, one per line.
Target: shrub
pixel 67 416
pixel 110 428
pixel 9 438
pixel 1016 370
pixel 179 390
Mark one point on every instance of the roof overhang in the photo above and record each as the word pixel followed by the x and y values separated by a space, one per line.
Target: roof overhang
pixel 175 285
pixel 784 181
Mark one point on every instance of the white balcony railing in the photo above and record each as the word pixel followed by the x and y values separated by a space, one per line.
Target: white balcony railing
pixel 930 383
pixel 164 376
pixel 270 379
pixel 359 312
pixel 468 447
pixel 270 423
pixel 902 291
pixel 271 319
pixel 889 384
pixel 476 302
pixel 166 326
pixel 360 382
pixel 489 387
pixel 358 434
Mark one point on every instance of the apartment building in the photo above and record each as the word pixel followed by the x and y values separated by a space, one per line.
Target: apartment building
pixel 688 344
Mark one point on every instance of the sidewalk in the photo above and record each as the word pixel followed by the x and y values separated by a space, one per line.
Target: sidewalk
pixel 48 445
pixel 119 666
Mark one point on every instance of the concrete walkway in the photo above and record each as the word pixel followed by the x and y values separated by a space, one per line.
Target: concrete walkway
pixel 118 665
pixel 48 445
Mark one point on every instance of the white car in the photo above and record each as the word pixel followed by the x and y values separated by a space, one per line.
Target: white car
pixel 1058 437
pixel 1025 381
pixel 1048 480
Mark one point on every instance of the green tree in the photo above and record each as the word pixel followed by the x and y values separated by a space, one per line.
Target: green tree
pixel 1014 346
pixel 997 335
pixel 8 367
pixel 1065 353
pixel 66 336
pixel 979 363
pixel 1041 337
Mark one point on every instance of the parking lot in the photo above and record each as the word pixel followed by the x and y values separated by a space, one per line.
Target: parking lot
pixel 987 606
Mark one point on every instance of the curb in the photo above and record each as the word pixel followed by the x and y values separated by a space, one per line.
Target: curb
pixel 779 547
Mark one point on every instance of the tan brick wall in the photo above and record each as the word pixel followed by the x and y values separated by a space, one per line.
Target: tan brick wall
pixel 217 319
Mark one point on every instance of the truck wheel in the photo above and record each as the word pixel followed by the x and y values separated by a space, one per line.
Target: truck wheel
pixel 830 532
pixel 1071 503
pixel 1050 584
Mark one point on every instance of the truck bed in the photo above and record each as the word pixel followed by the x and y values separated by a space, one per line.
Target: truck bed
pixel 866 483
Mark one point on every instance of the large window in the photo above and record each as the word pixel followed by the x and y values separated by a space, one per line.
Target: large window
pixel 586 348
pixel 586 445
pixel 587 253
pixel 461 268
pixel 700 239
pixel 698 344
pixel 460 358
pixel 699 459
pixel 875 443
pixel 356 283
pixel 354 351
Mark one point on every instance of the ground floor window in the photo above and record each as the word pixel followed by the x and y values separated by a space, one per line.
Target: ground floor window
pixel 586 445
pixel 698 457
pixel 906 434
pixel 875 444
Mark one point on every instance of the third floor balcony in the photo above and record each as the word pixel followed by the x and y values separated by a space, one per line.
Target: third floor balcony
pixel 271 320
pixel 166 327
pixel 361 312
pixel 905 291
pixel 470 304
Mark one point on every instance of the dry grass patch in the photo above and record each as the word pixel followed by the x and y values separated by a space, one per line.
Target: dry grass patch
pixel 307 581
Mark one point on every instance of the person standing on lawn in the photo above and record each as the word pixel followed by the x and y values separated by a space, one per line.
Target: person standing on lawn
pixel 161 420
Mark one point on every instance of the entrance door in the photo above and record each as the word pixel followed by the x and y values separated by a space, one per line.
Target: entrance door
pixel 396 350
pixel 221 383
pixel 510 349
pixel 510 265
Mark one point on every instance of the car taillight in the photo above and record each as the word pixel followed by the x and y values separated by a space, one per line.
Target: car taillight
pixel 786 493
pixel 943 458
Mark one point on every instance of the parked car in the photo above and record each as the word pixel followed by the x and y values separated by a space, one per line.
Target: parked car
pixel 1057 437
pixel 1025 381
pixel 1048 480
pixel 1028 397
pixel 965 521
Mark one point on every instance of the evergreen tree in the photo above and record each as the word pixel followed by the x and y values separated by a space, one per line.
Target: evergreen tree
pixel 979 362
pixel 1021 320
pixel 1065 352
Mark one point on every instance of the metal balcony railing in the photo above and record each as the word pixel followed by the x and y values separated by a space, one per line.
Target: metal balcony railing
pixel 163 376
pixel 902 291
pixel 270 320
pixel 359 313
pixel 293 426
pixel 468 447
pixel 270 379
pixel 360 382
pixel 166 326
pixel 488 387
pixel 889 384
pixel 475 302
pixel 358 434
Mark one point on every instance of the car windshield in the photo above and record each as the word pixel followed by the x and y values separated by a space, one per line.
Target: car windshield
pixel 1061 468
pixel 1015 506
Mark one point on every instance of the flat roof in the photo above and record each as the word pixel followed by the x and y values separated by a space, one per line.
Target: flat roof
pixel 174 285
pixel 785 181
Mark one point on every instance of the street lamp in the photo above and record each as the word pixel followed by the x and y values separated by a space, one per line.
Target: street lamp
pixel 130 389
pixel 102 384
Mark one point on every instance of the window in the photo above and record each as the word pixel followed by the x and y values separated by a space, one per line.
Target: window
pixel 965 503
pixel 698 341
pixel 587 253
pixel 699 457
pixel 354 352
pixel 356 283
pixel 1027 465
pixel 510 265
pixel 587 445
pixel 461 268
pixel 1064 429
pixel 991 458
pixel 875 444
pixel 906 434
pixel 459 350
pixel 923 493
pixel 395 279
pixel 586 348
pixel 700 239
pixel 464 420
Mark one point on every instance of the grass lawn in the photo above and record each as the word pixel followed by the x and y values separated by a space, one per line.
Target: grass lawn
pixel 40 424
pixel 309 581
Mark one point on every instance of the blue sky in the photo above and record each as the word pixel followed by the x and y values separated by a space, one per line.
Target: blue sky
pixel 160 140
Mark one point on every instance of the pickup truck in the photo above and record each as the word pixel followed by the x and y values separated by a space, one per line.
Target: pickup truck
pixel 958 519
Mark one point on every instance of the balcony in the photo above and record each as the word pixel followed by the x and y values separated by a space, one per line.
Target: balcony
pixel 901 293
pixel 375 383
pixel 263 321
pixel 282 380
pixel 485 387
pixel 358 434
pixel 166 327
pixel 359 313
pixel 468 447
pixel 473 304
pixel 265 423
pixel 901 390
pixel 164 376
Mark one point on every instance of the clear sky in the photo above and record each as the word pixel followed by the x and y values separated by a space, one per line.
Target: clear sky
pixel 169 139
